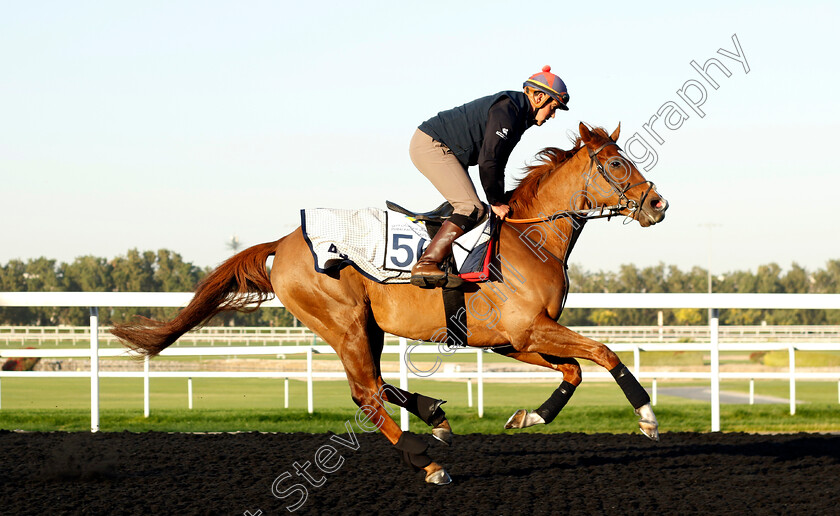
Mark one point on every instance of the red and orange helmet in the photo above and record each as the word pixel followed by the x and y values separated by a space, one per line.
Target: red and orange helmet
pixel 550 84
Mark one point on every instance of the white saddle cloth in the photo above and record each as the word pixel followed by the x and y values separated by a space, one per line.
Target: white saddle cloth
pixel 381 244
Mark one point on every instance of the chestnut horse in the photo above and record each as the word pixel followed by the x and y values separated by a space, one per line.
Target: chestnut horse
pixel 514 314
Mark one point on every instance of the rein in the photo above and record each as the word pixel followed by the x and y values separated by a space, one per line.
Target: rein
pixel 598 212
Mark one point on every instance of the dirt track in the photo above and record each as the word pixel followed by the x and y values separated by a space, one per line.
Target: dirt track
pixel 159 473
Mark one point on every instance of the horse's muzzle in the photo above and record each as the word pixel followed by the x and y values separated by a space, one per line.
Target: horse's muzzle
pixel 652 211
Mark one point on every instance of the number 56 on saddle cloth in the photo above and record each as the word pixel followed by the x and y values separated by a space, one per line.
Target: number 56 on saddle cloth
pixel 383 245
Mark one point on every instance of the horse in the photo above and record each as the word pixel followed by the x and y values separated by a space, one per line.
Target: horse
pixel 514 313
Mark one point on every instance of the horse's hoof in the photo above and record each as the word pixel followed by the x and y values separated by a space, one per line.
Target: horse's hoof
pixel 647 422
pixel 443 433
pixel 439 477
pixel 523 419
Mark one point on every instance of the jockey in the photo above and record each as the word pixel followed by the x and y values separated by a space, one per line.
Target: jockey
pixel 482 132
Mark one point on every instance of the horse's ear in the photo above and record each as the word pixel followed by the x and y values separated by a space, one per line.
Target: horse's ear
pixel 614 135
pixel 585 135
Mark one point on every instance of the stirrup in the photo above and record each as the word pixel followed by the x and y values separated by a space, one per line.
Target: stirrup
pixel 443 281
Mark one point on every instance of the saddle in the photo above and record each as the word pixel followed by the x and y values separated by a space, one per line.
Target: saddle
pixel 436 216
pixel 433 220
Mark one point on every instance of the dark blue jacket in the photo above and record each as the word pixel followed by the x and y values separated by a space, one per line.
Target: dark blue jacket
pixel 484 132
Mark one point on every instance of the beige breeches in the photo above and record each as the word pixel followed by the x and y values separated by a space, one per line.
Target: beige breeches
pixel 435 161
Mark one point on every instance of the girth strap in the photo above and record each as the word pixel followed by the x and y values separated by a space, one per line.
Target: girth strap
pixel 455 311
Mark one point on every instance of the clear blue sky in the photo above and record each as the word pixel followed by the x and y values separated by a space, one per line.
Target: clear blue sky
pixel 179 124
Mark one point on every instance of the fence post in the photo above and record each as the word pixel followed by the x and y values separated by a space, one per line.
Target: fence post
pixel 403 347
pixel 715 356
pixel 310 401
pixel 636 360
pixel 94 369
pixel 653 393
pixel 146 386
pixel 660 320
pixel 792 359
pixel 752 391
pixel 479 363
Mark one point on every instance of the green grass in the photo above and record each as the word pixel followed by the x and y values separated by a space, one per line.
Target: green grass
pixel 802 359
pixel 647 358
pixel 47 404
pixel 665 358
pixel 672 418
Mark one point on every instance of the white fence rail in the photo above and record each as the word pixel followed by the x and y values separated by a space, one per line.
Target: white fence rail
pixel 263 335
pixel 714 346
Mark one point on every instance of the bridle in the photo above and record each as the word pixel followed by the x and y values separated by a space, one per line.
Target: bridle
pixel 603 211
pixel 624 202
pixel 593 213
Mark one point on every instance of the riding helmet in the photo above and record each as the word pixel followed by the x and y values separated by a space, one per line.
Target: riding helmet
pixel 549 83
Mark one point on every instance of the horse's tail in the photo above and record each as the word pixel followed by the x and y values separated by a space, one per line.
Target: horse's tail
pixel 233 285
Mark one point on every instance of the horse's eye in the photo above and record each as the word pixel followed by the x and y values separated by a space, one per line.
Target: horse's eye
pixel 615 164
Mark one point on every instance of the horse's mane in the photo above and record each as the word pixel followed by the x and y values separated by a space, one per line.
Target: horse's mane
pixel 548 160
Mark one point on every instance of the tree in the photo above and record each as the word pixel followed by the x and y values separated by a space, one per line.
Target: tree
pixel 828 282
pixel 689 316
pixel 603 317
pixel 166 271
pixel 134 272
pixel 41 276
pixel 173 274
pixel 691 281
pixel 13 279
pixel 85 274
pixel 768 279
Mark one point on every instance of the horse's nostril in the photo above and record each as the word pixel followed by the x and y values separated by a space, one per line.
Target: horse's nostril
pixel 659 204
